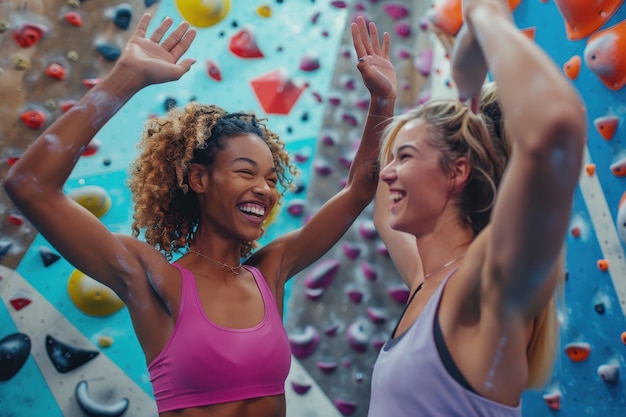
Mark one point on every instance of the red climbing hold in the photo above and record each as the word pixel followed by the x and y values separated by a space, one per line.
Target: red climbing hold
pixel 276 93
pixel 55 71
pixel 34 119
pixel 73 18
pixel 28 34
pixel 243 44
pixel 20 302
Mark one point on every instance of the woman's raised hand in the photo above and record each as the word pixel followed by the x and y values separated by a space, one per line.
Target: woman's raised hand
pixel 156 59
pixel 374 65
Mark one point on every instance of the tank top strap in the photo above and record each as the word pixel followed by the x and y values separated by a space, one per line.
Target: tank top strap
pixel 261 283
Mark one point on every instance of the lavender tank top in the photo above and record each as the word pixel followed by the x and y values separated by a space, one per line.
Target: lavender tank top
pixel 410 379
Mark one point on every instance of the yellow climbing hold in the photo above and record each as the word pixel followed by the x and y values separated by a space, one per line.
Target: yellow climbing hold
pixel 93 197
pixel 203 13
pixel 105 341
pixel 264 10
pixel 92 297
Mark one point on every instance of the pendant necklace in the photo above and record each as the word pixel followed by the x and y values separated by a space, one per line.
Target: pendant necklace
pixel 236 270
pixel 442 267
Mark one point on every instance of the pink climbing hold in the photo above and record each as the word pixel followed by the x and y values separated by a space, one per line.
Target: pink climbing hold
pixel 369 271
pixel 424 62
pixel 350 250
pixel 403 30
pixel 213 70
pixel 553 400
pixel 396 11
pixel 357 337
pixel 243 44
pixel 309 63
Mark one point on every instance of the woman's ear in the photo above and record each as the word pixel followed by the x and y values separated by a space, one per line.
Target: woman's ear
pixel 197 178
pixel 459 175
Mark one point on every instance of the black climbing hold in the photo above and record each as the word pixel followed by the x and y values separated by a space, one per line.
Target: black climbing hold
pixel 298 187
pixel 599 308
pixel 14 350
pixel 106 162
pixel 169 103
pixel 65 357
pixel 5 245
pixel 47 256
pixel 304 117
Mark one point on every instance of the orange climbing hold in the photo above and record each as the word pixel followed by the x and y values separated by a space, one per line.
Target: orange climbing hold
pixel 447 15
pixel 603 265
pixel 572 67
pixel 618 168
pixel 73 18
pixel 590 169
pixel 529 32
pixel 575 232
pixel 605 55
pixel 578 351
pixel 624 338
pixel 606 126
pixel 583 17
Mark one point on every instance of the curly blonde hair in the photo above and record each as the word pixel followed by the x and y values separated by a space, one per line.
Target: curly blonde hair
pixel 164 209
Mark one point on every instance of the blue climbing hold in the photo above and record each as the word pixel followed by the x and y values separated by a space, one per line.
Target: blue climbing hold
pixel 123 16
pixel 109 52
pixel 14 350
pixel 65 357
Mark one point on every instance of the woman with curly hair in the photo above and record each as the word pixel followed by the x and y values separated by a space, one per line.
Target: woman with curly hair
pixel 203 185
pixel 477 209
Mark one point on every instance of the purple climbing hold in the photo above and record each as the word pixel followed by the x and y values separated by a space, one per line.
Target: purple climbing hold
pixel 309 63
pixel 355 295
pixel 424 62
pixel 369 271
pixel 368 230
pixel 357 337
pixel 345 407
pixel 300 388
pixel 350 250
pixel 313 294
pixel 322 274
pixel 399 294
pixel 328 367
pixel 295 207
pixel 377 315
pixel 304 344
pixel 322 168
pixel 14 351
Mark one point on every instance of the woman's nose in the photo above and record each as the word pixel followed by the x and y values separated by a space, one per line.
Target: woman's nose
pixel 388 174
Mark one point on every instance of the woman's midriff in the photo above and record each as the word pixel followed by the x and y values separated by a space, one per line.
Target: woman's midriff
pixel 255 407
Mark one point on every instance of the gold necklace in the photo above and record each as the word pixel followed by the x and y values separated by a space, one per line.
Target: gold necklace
pixel 236 270
pixel 442 267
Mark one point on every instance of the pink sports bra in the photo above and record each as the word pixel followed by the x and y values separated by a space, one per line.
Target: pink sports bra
pixel 204 363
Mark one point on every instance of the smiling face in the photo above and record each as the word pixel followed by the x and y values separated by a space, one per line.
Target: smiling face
pixel 240 188
pixel 419 188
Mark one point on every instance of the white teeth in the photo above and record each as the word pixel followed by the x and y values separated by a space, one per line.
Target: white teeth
pixel 252 209
pixel 395 196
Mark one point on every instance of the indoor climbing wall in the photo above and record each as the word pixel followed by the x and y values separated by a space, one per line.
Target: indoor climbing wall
pixel 66 344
